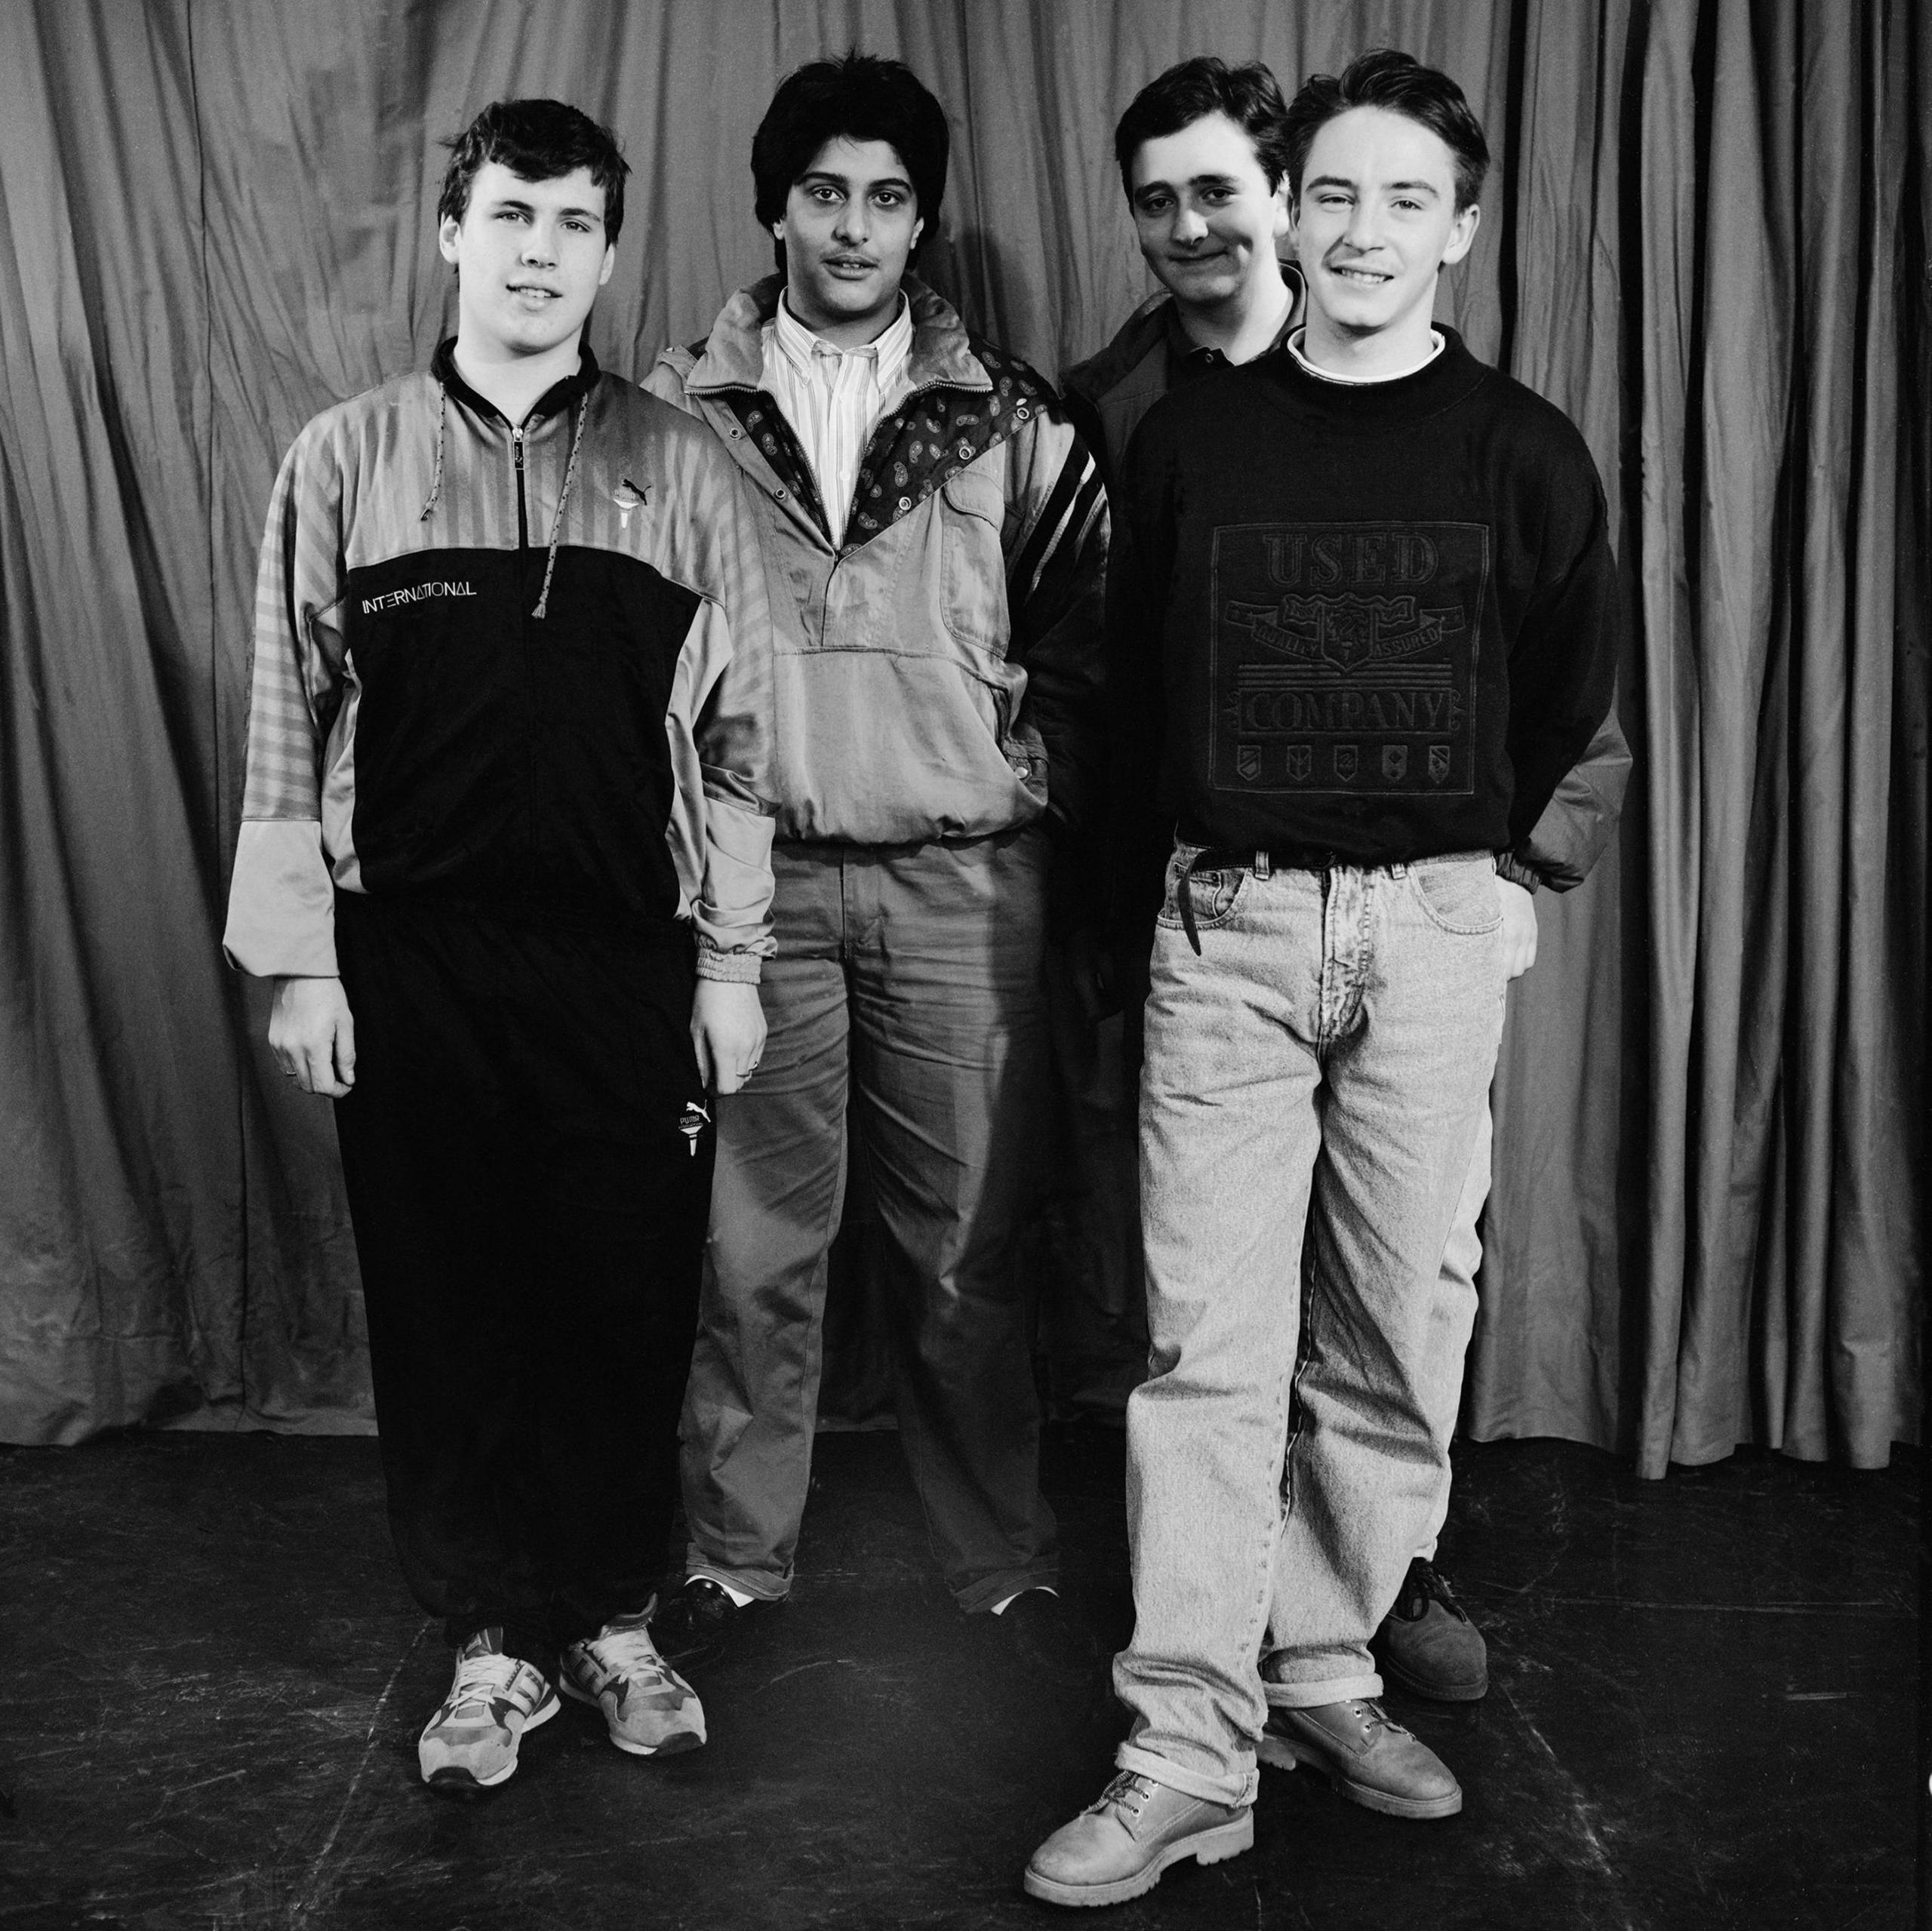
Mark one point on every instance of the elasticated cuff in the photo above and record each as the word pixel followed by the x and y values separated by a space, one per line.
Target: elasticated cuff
pixel 1510 866
pixel 730 968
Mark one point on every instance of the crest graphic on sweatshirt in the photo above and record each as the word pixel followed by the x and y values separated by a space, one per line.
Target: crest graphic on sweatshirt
pixel 1344 657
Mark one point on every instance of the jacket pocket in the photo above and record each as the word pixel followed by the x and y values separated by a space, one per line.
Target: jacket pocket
pixel 971 508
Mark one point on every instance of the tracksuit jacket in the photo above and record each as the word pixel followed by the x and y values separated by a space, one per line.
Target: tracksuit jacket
pixel 523 670
pixel 937 674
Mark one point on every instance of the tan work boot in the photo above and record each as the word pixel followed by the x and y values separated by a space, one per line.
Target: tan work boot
pixel 1116 1849
pixel 1370 1758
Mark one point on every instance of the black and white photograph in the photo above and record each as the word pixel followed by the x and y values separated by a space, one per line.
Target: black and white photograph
pixel 928 925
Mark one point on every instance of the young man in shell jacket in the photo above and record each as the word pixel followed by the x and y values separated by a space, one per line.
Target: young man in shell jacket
pixel 504 855
pixel 1365 617
pixel 934 532
pixel 1203 155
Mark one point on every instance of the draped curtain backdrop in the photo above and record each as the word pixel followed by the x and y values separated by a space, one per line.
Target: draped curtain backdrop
pixel 1704 237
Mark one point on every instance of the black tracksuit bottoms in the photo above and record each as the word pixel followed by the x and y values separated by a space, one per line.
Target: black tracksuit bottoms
pixel 530 1219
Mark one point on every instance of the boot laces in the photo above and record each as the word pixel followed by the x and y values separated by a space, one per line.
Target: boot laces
pixel 1374 1717
pixel 1130 1790
pixel 1424 1585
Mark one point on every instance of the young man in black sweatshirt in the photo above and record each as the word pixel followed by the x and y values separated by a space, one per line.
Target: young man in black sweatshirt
pixel 1363 619
pixel 1203 153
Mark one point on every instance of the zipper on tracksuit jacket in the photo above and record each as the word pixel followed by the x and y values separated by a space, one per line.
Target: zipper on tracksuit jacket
pixel 522 525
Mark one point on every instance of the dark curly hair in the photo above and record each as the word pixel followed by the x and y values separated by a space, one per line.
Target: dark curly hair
pixel 536 140
pixel 1402 85
pixel 864 97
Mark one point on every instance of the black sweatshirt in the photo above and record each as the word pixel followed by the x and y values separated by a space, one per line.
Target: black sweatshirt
pixel 1370 623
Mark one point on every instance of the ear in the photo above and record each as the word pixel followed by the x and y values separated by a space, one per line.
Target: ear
pixel 1462 234
pixel 610 263
pixel 1285 219
pixel 447 230
pixel 918 228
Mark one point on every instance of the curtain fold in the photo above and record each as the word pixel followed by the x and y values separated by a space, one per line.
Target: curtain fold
pixel 1705 237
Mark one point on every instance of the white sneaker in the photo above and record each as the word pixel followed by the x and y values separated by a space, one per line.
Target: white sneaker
pixel 471 1743
pixel 649 1709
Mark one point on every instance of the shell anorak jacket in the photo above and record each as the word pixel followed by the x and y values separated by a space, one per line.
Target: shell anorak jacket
pixel 937 674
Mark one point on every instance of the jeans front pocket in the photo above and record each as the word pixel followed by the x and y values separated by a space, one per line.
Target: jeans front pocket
pixel 1458 894
pixel 1212 893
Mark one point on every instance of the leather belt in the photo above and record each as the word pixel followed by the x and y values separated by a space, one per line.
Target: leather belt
pixel 1262 864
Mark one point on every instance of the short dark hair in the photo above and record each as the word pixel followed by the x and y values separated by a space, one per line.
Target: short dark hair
pixel 1250 96
pixel 536 140
pixel 1400 83
pixel 864 97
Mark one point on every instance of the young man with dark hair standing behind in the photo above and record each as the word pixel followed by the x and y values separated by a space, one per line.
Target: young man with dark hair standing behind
pixel 504 854
pixel 935 534
pixel 1365 615
pixel 1204 151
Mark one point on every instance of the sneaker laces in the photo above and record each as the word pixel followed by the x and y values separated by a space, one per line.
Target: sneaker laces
pixel 483 1677
pixel 1424 1585
pixel 626 1650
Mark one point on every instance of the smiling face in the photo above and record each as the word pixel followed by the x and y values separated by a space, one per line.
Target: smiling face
pixel 851 222
pixel 1375 222
pixel 530 257
pixel 1207 220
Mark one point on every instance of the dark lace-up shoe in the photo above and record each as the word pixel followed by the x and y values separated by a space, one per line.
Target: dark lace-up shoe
pixel 1370 1759
pixel 1116 1849
pixel 1047 1640
pixel 1427 1643
pixel 698 1622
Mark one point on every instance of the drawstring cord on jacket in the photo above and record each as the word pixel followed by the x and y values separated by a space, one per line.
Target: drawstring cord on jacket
pixel 436 481
pixel 563 500
pixel 557 524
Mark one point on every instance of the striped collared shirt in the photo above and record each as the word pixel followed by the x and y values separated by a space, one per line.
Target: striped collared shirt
pixel 831 397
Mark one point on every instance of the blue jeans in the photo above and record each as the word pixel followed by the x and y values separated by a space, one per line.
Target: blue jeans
pixel 1322 1066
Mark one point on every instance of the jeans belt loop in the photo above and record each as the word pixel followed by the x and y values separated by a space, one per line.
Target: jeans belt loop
pixel 1263 869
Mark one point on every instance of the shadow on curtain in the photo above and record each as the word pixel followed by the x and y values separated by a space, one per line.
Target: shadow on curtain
pixel 1705 239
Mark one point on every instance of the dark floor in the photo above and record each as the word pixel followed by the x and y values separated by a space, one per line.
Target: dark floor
pixel 1702 1713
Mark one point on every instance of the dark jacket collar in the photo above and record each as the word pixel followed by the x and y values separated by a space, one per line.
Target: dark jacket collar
pixel 559 398
pixel 1156 324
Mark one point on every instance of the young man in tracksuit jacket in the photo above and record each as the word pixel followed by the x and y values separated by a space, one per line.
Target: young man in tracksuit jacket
pixel 1364 619
pixel 934 532
pixel 504 855
pixel 1203 156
